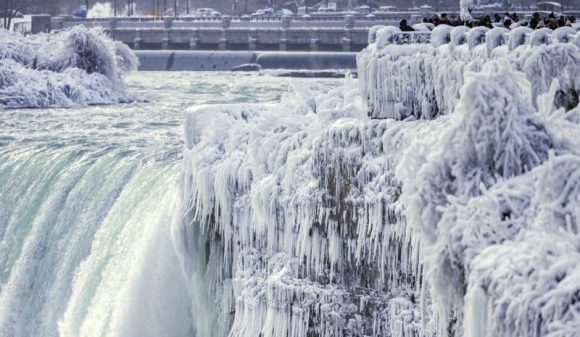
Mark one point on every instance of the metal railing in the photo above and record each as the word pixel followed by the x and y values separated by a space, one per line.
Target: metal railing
pixel 412 37
pixel 403 38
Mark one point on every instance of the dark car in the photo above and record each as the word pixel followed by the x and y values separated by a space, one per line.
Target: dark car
pixel 80 13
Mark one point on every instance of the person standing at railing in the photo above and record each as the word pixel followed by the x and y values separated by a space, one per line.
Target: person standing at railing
pixel 507 23
pixel 444 20
pixel 561 21
pixel 506 17
pixel 535 20
pixel 404 27
pixel 454 20
pixel 485 21
pixel 540 25
pixel 435 20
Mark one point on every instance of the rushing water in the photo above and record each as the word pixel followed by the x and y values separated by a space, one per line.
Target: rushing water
pixel 87 197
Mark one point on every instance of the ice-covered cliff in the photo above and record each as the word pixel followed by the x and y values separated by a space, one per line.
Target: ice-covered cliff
pixel 74 67
pixel 456 217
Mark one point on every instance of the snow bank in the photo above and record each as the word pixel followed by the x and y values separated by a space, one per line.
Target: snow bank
pixel 73 67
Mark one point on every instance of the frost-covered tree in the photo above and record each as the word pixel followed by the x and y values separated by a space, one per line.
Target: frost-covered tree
pixel 10 8
pixel 52 7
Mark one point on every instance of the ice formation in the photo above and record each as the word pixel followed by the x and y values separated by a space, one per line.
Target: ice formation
pixel 453 212
pixel 69 68
pixel 427 84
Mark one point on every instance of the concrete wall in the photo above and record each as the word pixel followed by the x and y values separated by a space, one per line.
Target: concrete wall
pixel 285 34
pixel 165 60
pixel 307 61
pixel 307 39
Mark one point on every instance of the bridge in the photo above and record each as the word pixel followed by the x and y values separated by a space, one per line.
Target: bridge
pixel 316 32
pixel 348 33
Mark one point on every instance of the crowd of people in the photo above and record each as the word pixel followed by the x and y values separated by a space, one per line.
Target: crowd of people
pixel 509 21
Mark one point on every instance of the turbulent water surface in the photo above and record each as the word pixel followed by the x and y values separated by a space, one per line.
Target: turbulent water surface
pixel 86 204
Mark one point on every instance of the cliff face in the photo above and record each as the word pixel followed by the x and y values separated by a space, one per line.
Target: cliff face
pixel 299 207
pixel 307 218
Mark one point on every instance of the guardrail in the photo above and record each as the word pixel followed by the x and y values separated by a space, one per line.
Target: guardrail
pixel 412 37
pixel 518 36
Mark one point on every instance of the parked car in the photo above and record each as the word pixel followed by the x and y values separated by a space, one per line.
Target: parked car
pixel 81 12
pixel 263 12
pixel 330 8
pixel 270 13
pixel 207 12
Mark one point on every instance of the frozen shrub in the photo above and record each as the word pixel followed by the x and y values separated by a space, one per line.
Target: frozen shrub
pixel 77 66
pixel 15 47
pixel 495 135
pixel 126 59
pixel 561 62
pixel 88 50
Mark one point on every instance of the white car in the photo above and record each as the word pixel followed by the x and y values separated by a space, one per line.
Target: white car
pixel 207 12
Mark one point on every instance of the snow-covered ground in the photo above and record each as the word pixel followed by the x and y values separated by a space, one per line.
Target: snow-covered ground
pixel 75 67
pixel 456 214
